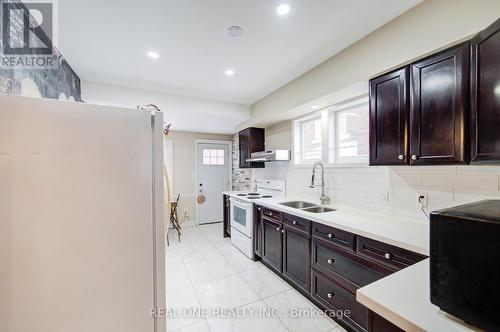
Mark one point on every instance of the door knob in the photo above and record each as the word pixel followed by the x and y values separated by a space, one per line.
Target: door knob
pixel 294 222
pixel 414 157
pixel 387 255
pixel 330 295
pixel 277 229
pixel 330 235
pixel 401 157
pixel 283 231
pixel 330 261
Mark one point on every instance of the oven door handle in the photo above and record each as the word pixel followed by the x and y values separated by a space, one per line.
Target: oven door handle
pixel 239 203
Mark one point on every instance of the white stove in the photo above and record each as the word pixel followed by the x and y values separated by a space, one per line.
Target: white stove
pixel 242 212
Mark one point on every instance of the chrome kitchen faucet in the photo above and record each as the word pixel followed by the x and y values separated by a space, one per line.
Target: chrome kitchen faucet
pixel 323 199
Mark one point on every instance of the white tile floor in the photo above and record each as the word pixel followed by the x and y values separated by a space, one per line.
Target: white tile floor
pixel 206 271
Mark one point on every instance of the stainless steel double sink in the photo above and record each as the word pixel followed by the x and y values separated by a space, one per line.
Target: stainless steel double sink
pixel 307 207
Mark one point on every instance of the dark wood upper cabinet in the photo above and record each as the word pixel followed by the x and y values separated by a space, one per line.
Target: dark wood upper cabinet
pixel 251 140
pixel 389 106
pixel 485 95
pixel 439 108
pixel 419 114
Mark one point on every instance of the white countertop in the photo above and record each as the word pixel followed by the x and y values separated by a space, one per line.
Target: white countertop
pixel 404 233
pixel 403 298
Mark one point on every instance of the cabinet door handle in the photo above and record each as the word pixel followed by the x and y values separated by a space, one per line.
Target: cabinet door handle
pixel 330 235
pixel 387 255
pixel 294 222
pixel 258 209
pixel 330 261
pixel 277 229
pixel 401 157
pixel 330 295
pixel 283 231
pixel 414 157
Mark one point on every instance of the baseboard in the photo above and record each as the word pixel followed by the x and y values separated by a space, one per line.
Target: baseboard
pixel 188 223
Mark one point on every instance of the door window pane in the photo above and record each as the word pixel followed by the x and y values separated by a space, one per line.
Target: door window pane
pixel 213 157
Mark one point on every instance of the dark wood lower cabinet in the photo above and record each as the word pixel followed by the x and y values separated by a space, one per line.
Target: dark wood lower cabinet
pixel 296 257
pixel 226 216
pixel 272 240
pixel 379 324
pixel 340 303
pixel 347 269
pixel 328 265
pixel 257 230
pixel 391 256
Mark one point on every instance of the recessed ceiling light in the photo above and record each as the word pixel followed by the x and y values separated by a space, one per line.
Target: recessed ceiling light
pixel 314 107
pixel 229 72
pixel 153 55
pixel 283 9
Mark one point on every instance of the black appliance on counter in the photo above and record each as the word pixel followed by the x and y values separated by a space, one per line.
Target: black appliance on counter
pixel 465 262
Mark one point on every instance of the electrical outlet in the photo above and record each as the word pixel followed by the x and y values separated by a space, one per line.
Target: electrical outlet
pixel 422 200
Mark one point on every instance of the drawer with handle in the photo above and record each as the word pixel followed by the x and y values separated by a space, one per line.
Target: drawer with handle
pixel 349 269
pixel 341 302
pixel 333 235
pixel 297 223
pixel 392 256
pixel 275 215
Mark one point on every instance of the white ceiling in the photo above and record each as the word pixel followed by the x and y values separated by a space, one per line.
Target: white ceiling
pixel 106 41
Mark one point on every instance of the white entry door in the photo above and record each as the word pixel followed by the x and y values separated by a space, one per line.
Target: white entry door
pixel 213 179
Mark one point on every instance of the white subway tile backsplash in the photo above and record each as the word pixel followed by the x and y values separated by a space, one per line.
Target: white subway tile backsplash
pixel 472 181
pixel 478 170
pixel 471 195
pixel 365 187
pixel 406 178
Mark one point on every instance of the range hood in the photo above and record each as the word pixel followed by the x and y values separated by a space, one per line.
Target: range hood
pixel 269 155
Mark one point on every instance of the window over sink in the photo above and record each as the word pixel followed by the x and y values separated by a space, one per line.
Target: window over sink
pixel 309 139
pixel 337 135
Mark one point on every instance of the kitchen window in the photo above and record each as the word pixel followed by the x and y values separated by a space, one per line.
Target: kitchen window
pixel 308 142
pixel 348 132
pixel 338 135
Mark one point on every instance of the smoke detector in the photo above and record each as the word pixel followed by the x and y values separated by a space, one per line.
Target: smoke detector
pixel 235 31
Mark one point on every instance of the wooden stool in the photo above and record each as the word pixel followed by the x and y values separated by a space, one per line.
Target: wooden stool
pixel 174 218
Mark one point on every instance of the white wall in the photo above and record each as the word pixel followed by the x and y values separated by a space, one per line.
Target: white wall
pixel 185 113
pixel 431 25
pixel 184 168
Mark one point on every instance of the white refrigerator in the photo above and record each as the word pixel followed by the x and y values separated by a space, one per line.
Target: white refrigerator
pixel 81 217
